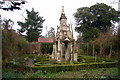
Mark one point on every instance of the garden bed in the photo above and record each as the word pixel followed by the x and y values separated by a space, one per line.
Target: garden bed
pixel 72 67
pixel 85 62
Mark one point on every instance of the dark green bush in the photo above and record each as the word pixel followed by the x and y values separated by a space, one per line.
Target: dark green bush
pixel 9 73
pixel 38 74
pixel 73 67
pixel 37 63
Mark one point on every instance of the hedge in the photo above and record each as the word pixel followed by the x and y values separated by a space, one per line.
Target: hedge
pixel 65 67
pixel 72 67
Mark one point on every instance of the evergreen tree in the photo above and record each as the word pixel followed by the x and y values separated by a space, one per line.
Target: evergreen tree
pixel 32 25
pixel 95 19
pixel 11 5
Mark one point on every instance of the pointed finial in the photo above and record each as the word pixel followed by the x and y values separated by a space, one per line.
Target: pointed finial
pixel 63 14
pixel 63 9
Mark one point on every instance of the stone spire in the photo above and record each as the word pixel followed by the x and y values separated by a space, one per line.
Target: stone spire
pixel 64 48
pixel 63 14
pixel 119 5
pixel 63 10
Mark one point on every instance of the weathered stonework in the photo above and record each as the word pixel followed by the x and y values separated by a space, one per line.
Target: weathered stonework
pixel 64 48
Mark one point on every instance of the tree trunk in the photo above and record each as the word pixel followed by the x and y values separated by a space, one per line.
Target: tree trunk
pixel 93 50
pixel 87 48
pixel 118 51
pixel 110 51
pixel 101 50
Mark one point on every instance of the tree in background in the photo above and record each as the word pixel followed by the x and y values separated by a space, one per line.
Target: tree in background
pixel 11 5
pixel 0 34
pixel 118 47
pixel 51 33
pixel 105 44
pixel 7 24
pixel 95 19
pixel 48 47
pixel 11 41
pixel 32 25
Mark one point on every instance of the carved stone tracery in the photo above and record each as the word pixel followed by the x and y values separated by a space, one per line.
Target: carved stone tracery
pixel 64 45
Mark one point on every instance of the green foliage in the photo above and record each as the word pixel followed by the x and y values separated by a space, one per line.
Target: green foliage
pixel 13 49
pixel 14 61
pixel 37 74
pixel 86 62
pixel 118 48
pixel 106 44
pixel 38 60
pixel 40 74
pixel 23 45
pixel 91 34
pixel 45 56
pixel 92 20
pixel 86 48
pixel 9 73
pixel 42 60
pixel 73 67
pixel 90 73
pixel 32 25
pixel 91 59
pixel 13 44
pixel 46 48
pixel 45 70
pixel 105 16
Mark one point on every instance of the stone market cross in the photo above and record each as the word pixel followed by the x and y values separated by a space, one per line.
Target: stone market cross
pixel 64 48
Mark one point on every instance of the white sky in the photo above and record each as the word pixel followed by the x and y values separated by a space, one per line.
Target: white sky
pixel 51 11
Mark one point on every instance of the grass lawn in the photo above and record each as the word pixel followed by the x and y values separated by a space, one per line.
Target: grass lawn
pixel 91 73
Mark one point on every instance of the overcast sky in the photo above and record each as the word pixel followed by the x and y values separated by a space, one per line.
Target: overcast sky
pixel 51 10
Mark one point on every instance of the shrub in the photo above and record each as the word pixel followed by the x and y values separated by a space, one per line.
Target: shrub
pixel 9 73
pixel 73 67
pixel 38 74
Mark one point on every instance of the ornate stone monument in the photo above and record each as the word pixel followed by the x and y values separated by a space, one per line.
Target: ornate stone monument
pixel 64 48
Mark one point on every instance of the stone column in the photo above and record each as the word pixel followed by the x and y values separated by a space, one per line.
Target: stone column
pixel 75 52
pixel 53 53
pixel 39 49
pixel 71 53
pixel 75 56
pixel 61 55
pixel 58 54
pixel 67 52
